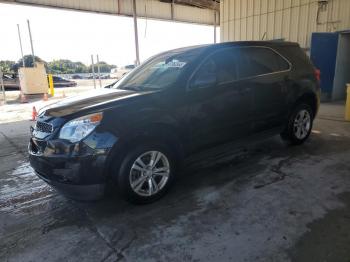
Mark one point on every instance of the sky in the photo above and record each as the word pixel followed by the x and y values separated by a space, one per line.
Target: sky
pixel 60 34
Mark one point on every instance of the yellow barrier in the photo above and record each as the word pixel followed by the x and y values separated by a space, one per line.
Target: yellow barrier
pixel 52 90
pixel 347 106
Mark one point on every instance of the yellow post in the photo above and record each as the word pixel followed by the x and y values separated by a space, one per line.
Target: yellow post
pixel 347 106
pixel 52 90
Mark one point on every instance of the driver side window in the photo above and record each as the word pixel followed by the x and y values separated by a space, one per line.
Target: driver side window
pixel 206 75
pixel 219 68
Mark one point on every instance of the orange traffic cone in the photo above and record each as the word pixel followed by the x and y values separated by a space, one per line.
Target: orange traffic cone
pixel 45 97
pixel 23 98
pixel 34 114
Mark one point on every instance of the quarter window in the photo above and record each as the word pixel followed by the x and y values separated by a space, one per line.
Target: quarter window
pixel 259 61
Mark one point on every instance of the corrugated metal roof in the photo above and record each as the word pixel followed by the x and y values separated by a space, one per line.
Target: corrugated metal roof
pixel 190 11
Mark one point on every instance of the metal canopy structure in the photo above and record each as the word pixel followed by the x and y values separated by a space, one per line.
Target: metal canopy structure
pixel 203 12
pixel 188 11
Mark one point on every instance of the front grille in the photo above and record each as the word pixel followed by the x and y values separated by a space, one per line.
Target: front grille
pixel 37 146
pixel 43 127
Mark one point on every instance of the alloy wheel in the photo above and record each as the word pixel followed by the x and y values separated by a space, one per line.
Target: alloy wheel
pixel 149 173
pixel 302 124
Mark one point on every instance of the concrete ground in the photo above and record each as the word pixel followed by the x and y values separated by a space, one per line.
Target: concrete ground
pixel 271 203
pixel 14 110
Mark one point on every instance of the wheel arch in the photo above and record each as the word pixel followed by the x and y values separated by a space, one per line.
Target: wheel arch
pixel 309 98
pixel 158 132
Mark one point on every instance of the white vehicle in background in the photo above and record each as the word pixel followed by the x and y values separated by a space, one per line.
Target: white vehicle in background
pixel 120 72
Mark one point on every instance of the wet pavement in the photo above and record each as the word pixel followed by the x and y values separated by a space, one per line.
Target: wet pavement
pixel 272 202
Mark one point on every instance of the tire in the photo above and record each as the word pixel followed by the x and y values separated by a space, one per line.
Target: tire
pixel 138 182
pixel 299 125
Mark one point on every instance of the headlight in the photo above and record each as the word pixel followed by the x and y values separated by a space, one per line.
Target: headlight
pixel 76 129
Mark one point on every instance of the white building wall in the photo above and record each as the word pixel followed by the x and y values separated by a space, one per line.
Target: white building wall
pixel 292 20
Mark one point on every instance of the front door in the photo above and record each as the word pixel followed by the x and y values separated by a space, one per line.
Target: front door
pixel 219 106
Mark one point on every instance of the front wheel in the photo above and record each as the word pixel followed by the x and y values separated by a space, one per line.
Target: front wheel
pixel 146 173
pixel 299 125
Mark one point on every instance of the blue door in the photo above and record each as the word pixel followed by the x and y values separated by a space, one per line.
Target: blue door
pixel 323 56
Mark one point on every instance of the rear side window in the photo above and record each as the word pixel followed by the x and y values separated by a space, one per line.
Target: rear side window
pixel 257 61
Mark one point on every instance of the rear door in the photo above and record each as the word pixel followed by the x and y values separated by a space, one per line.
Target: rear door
pixel 220 108
pixel 266 72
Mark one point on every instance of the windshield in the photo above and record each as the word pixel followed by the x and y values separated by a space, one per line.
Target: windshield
pixel 159 73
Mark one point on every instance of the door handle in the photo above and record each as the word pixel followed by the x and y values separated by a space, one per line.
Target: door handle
pixel 283 87
pixel 286 78
pixel 244 90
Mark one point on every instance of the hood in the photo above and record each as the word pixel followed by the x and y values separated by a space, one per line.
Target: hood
pixel 86 101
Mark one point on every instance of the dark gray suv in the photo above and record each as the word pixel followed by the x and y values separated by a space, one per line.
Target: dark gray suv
pixel 135 133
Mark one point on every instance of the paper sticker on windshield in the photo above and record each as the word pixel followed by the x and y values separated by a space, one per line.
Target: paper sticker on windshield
pixel 175 63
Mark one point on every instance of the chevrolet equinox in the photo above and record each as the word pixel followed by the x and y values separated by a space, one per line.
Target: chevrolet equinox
pixel 137 132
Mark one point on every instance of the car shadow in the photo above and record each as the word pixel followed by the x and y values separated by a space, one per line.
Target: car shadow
pixel 196 186
pixel 233 168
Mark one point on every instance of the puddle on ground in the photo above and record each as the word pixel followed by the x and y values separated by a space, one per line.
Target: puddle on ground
pixel 21 189
pixel 318 242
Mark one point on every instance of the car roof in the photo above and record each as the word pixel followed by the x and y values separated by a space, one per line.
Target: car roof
pixel 202 49
pixel 258 43
pixel 272 43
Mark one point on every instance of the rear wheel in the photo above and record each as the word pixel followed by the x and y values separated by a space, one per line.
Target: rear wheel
pixel 299 125
pixel 146 173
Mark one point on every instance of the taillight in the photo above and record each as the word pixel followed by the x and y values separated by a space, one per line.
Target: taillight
pixel 318 74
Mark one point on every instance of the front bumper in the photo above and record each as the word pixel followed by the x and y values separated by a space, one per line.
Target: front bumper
pixel 77 192
pixel 75 169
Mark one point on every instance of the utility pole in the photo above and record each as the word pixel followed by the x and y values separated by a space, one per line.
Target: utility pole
pixel 172 10
pixel 98 70
pixel 214 26
pixel 136 33
pixel 93 70
pixel 31 42
pixel 2 86
pixel 20 44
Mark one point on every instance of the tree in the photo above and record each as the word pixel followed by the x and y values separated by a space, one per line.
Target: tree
pixel 60 66
pixel 6 66
pixel 28 62
pixel 65 66
pixel 104 67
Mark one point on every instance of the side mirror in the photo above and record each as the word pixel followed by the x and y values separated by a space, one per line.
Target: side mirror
pixel 204 81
